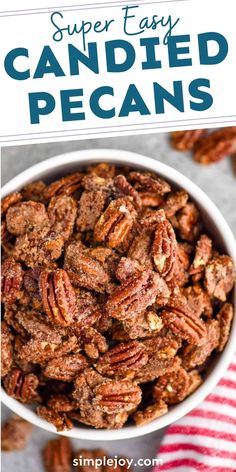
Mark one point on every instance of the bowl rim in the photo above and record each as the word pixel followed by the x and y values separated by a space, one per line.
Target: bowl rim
pixel 116 156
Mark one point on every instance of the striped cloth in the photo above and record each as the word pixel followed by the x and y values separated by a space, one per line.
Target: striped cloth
pixel 205 439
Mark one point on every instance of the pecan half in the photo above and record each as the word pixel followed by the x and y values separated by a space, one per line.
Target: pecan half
pixel 196 355
pixel 152 412
pixel 202 256
pixel 38 248
pixel 135 295
pixel 57 455
pixel 149 181
pixel 164 249
pixel 172 387
pixel 6 349
pixel 219 277
pixel 58 296
pixel 34 191
pixel 92 342
pixel 64 186
pixel 116 222
pixel 84 270
pixel 62 214
pixel 15 433
pixel 140 249
pixel 215 146
pixel 26 216
pixel 12 277
pixel 89 414
pixel 123 359
pixel 185 140
pixel 20 386
pixel 9 201
pixel 60 403
pixel 59 420
pixel 66 367
pixel 198 300
pixel 178 316
pixel 91 206
pixel 224 317
pixel 174 202
pixel 124 188
pixel 187 222
pixel 117 395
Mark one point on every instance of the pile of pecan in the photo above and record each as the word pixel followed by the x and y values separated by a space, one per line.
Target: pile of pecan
pixel 115 298
pixel 207 146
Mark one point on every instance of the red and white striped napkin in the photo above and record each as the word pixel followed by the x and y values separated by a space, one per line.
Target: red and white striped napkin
pixel 205 439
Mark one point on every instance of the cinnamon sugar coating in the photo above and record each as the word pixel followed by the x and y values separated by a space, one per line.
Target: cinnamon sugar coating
pixel 115 299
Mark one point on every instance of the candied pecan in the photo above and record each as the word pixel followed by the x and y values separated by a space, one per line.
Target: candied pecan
pixel 84 270
pixel 172 387
pixel 115 396
pixel 6 349
pixel 59 420
pixel 87 308
pixel 39 350
pixel 174 202
pixel 92 342
pixel 89 414
pixel 38 248
pixel 142 325
pixel 196 355
pixel 140 249
pixel 179 317
pixel 123 360
pixel 12 277
pixel 135 295
pixel 164 249
pixel 187 222
pixel 150 199
pixel 91 206
pixel 103 170
pixel 156 367
pixel 215 146
pixel 152 412
pixel 34 191
pixel 9 201
pixel 123 188
pixel 185 140
pixel 219 276
pixel 62 214
pixel 149 181
pixel 26 216
pixel 202 256
pixel 20 386
pixel 195 380
pixel 60 403
pixel 127 268
pixel 224 317
pixel 115 223
pixel 198 300
pixel 57 455
pixel 58 296
pixel 64 186
pixel 66 367
pixel 31 285
pixel 15 433
pixel 36 324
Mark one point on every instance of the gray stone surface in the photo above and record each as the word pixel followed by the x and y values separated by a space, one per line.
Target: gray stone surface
pixel 217 181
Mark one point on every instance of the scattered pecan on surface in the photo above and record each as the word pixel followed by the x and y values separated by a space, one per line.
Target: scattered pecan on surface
pixel 15 433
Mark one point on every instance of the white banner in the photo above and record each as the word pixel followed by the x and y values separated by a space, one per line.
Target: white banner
pixel 107 68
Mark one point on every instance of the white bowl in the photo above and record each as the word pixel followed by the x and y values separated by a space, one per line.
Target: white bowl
pixel 216 224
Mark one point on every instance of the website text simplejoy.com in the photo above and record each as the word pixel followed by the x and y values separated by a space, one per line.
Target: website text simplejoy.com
pixel 116 462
